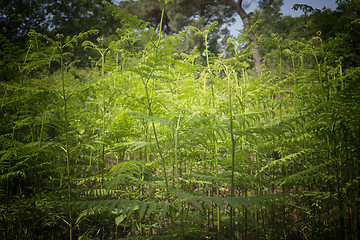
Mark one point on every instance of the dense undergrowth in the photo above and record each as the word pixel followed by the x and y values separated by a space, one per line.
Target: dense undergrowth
pixel 148 142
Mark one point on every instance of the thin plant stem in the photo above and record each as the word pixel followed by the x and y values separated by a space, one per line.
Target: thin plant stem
pixel 67 154
pixel 177 176
pixel 233 144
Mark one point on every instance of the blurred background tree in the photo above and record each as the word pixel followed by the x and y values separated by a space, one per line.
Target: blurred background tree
pixel 18 17
pixel 71 17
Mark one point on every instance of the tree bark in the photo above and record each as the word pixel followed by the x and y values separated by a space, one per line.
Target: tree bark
pixel 237 5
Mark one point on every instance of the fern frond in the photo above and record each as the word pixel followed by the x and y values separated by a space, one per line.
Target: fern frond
pixel 286 159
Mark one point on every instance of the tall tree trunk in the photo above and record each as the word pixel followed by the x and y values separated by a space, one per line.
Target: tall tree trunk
pixel 247 25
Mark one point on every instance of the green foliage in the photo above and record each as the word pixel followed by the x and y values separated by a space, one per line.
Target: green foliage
pixel 65 17
pixel 150 143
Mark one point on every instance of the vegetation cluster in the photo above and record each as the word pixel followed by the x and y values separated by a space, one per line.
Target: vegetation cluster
pixel 133 134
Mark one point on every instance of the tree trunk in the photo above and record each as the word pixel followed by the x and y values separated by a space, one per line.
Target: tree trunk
pixel 247 25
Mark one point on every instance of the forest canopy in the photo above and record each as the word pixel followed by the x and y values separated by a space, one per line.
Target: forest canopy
pixel 149 120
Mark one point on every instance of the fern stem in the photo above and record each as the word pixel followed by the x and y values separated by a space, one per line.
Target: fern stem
pixel 319 72
pixel 145 83
pixel 217 183
pixel 341 76
pixel 103 119
pixel 177 176
pixel 233 142
pixel 207 58
pixel 7 219
pixel 161 23
pixel 67 154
